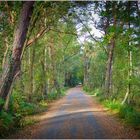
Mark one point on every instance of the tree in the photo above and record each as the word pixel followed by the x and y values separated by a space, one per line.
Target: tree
pixel 18 43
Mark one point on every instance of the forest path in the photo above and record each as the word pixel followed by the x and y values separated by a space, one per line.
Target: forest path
pixel 76 115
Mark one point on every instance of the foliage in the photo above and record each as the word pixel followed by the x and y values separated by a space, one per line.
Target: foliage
pixel 6 122
pixel 126 112
pixel 62 50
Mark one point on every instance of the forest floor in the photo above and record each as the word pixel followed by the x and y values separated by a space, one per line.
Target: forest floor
pixel 76 115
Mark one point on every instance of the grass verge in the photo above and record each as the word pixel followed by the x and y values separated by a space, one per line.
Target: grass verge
pixel 129 114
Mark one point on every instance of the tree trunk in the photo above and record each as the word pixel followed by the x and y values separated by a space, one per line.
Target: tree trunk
pixel 44 73
pixel 19 39
pixel 5 53
pixel 86 70
pixel 6 105
pixel 31 72
pixel 108 77
pixel 128 92
pixel 109 69
pixel 53 65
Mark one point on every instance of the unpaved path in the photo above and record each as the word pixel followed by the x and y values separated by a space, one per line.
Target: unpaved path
pixel 74 116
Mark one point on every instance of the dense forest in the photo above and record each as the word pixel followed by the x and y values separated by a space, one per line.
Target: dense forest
pixel 47 47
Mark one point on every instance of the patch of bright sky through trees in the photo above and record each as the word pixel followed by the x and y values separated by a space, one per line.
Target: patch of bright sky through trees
pixel 88 21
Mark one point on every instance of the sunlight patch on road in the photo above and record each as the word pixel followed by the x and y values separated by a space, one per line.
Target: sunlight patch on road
pixel 62 113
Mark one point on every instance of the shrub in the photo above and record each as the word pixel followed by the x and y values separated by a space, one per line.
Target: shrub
pixel 130 115
pixel 6 123
pixel 125 112
pixel 6 119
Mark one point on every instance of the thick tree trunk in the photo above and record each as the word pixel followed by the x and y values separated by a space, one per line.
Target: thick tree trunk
pixel 6 105
pixel 19 39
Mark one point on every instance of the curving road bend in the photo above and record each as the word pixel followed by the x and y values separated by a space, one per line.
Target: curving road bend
pixel 77 116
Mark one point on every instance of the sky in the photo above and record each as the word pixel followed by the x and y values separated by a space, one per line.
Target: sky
pixel 88 21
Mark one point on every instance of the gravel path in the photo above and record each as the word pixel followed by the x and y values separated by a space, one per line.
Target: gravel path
pixel 76 115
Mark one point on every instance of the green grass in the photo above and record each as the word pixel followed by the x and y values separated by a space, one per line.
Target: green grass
pixel 127 113
pixel 130 115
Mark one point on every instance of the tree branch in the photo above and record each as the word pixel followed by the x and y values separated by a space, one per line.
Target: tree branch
pixel 31 41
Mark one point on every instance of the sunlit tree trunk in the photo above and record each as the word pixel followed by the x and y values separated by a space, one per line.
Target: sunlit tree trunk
pixel 19 39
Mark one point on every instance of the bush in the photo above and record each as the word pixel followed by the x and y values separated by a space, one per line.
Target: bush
pixel 6 123
pixel 97 92
pixel 87 89
pixel 125 112
pixel 6 119
pixel 52 96
pixel 130 115
pixel 19 108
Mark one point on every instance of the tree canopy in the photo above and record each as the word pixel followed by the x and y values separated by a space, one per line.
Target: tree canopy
pixel 47 46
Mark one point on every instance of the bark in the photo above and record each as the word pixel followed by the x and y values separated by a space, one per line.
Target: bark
pixel 6 105
pixel 5 53
pixel 11 17
pixel 19 39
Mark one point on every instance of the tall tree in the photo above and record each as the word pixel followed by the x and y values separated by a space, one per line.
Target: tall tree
pixel 15 58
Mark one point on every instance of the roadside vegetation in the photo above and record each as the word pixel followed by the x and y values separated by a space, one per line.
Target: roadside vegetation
pixel 130 115
pixel 20 110
pixel 48 46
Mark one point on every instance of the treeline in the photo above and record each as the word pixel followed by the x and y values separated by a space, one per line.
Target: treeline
pixel 38 44
pixel 48 46
pixel 112 68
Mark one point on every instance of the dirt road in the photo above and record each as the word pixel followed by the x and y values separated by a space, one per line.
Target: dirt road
pixel 74 116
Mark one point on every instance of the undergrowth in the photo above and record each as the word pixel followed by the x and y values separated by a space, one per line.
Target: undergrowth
pixel 128 113
pixel 19 108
